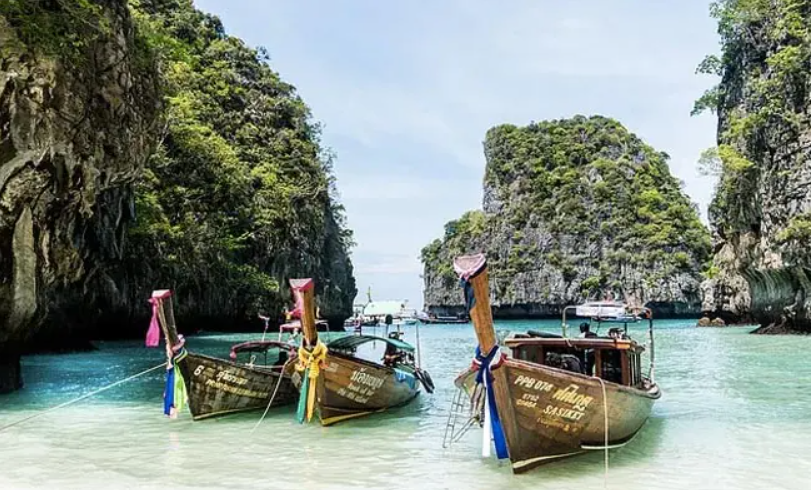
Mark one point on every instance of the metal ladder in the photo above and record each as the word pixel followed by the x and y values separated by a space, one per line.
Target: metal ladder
pixel 462 416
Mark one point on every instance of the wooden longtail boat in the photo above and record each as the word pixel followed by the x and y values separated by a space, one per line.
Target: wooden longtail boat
pixel 218 386
pixel 340 385
pixel 555 396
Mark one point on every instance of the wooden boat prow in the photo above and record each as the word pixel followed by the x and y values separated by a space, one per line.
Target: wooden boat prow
pixel 554 395
pixel 348 386
pixel 217 386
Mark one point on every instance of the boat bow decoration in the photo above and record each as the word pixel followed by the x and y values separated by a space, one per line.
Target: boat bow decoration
pixel 469 267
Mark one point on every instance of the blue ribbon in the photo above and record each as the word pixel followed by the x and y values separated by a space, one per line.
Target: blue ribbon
pixel 470 298
pixel 495 421
pixel 169 391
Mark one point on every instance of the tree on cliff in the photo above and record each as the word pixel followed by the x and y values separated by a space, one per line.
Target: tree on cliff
pixel 761 211
pixel 573 209
pixel 224 199
pixel 240 194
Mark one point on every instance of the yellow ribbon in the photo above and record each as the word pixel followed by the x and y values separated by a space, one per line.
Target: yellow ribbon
pixel 312 360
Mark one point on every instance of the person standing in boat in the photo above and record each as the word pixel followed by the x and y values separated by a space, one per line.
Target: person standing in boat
pixel 588 354
pixel 393 355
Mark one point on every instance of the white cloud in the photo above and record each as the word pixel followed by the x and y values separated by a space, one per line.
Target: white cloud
pixel 407 90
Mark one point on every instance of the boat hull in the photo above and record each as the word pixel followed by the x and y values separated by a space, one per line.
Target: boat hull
pixel 219 387
pixel 547 413
pixel 350 388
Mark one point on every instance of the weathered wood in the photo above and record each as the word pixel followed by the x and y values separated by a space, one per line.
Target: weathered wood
pixel 218 387
pixel 626 371
pixel 350 388
pixel 169 314
pixel 550 413
pixel 308 315
pixel 481 314
pixel 588 343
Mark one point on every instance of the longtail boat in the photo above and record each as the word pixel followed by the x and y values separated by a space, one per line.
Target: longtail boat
pixel 214 386
pixel 340 385
pixel 555 396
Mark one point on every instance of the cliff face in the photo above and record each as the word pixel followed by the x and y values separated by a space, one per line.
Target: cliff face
pixel 239 196
pixel 75 127
pixel 761 213
pixel 143 148
pixel 574 209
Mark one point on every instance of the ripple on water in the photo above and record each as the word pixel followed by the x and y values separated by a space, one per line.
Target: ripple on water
pixel 736 413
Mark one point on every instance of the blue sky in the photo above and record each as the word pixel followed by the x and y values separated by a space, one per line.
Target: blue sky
pixel 406 91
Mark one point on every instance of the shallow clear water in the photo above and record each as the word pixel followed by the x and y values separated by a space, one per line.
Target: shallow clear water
pixel 736 413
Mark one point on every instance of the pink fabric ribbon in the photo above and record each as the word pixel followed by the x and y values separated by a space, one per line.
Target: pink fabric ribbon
pixel 153 335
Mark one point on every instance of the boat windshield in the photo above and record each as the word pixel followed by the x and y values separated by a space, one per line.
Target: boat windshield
pixel 617 359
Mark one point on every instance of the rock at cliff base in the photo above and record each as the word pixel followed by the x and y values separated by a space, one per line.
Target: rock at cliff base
pixel 11 378
pixel 703 322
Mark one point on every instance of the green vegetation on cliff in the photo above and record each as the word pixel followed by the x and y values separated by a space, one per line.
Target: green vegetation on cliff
pixel 761 211
pixel 191 165
pixel 239 195
pixel 586 208
pixel 762 100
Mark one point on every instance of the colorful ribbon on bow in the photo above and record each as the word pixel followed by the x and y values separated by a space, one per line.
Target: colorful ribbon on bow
pixel 175 392
pixel 153 335
pixel 492 422
pixel 310 363
pixel 470 297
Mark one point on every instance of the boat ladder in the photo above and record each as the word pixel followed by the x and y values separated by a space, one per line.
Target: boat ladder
pixel 462 416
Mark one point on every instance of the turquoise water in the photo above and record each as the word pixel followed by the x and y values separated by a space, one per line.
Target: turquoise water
pixel 736 413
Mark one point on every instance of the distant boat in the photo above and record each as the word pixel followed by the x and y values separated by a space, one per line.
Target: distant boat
pixel 382 313
pixel 218 386
pixel 555 396
pixel 431 319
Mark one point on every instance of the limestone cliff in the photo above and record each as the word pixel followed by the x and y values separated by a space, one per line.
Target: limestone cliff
pixel 76 125
pixel 142 147
pixel 574 209
pixel 761 213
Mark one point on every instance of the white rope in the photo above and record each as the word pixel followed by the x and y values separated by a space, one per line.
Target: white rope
pixel 605 422
pixel 71 402
pixel 275 390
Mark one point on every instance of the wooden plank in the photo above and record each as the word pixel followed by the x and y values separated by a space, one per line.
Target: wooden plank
pixel 598 363
pixel 626 371
pixel 579 343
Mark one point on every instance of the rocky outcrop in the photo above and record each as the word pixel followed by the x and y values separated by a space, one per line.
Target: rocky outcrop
pixel 73 135
pixel 142 147
pixel 761 213
pixel 574 209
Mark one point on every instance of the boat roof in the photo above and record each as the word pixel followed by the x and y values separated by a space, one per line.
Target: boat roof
pixel 589 343
pixel 352 341
pixel 380 308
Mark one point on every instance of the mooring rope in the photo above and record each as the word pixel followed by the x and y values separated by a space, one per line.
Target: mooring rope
pixel 605 422
pixel 88 395
pixel 273 396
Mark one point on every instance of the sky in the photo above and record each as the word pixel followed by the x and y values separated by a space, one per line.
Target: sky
pixel 406 90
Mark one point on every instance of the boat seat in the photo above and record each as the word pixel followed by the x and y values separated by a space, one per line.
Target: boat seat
pixel 567 362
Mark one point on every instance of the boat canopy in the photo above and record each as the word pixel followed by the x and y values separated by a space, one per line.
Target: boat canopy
pixel 382 308
pixel 353 341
